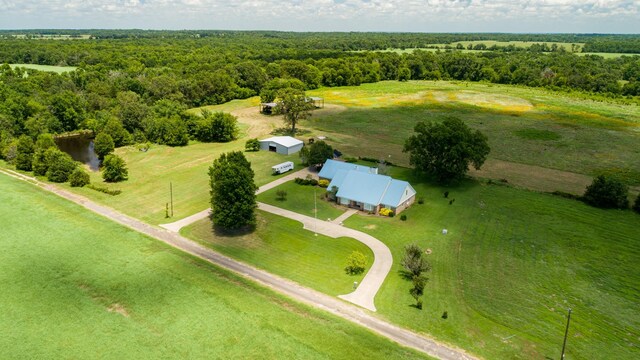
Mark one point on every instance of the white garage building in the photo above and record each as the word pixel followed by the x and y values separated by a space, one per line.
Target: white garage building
pixel 285 145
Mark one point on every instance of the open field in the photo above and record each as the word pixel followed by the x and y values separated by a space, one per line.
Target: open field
pixel 80 286
pixel 524 126
pixel 282 247
pixel 146 192
pixel 511 264
pixel 50 68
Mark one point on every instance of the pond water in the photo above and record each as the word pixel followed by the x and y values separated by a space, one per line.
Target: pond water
pixel 80 147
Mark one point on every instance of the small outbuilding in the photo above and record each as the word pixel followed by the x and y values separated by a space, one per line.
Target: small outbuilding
pixel 285 145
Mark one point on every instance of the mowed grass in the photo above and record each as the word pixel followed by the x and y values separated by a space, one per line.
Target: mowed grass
pixel 79 286
pixel 511 265
pixel 282 247
pixel 303 200
pixel 49 68
pixel 590 137
pixel 147 191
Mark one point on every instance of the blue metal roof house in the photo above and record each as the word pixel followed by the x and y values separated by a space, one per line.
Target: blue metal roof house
pixel 330 168
pixel 366 190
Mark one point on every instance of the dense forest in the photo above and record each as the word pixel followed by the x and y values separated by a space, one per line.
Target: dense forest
pixel 137 84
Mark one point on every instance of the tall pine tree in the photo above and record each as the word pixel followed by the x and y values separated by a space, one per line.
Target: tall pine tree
pixel 233 191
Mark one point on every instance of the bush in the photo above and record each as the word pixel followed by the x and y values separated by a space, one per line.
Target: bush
pixel 566 195
pixel 281 195
pixel 356 263
pixel 607 192
pixel 252 145
pixel 350 159
pixel 636 205
pixel 114 169
pixel 446 194
pixel 104 190
pixel 103 145
pixel 386 212
pixel 403 217
pixel 445 315
pixel 313 182
pixel 60 165
pixel 420 200
pixel 323 183
pixel 216 127
pixel 79 178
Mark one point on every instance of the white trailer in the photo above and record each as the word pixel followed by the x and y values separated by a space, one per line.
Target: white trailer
pixel 282 168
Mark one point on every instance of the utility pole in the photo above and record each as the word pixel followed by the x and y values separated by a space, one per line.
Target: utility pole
pixel 171 194
pixel 315 212
pixel 566 332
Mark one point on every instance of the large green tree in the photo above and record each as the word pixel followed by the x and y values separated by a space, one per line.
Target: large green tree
pixel 316 153
pixel 216 127
pixel 60 165
pixel 446 149
pixel 44 143
pixel 233 191
pixel 293 105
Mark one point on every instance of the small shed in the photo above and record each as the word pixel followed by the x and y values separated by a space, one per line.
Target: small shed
pixel 267 108
pixel 317 102
pixel 285 145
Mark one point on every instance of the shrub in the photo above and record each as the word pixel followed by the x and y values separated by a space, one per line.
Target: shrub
pixel 420 200
pixel 386 212
pixel 607 192
pixel 445 315
pixel 313 182
pixel 636 205
pixel 281 195
pixel 103 145
pixel 356 263
pixel 403 217
pixel 114 169
pixel 60 165
pixel 446 194
pixel 350 159
pixel 323 183
pixel 104 190
pixel 79 178
pixel 216 127
pixel 24 153
pixel 252 145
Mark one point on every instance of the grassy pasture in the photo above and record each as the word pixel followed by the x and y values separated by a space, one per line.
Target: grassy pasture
pixel 300 199
pixel 49 68
pixel 589 137
pixel 146 192
pixel 282 247
pixel 511 264
pixel 79 286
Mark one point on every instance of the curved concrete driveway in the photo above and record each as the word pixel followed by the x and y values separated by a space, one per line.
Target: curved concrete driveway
pixel 366 291
pixel 382 260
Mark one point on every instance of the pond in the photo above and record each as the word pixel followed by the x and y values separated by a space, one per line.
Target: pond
pixel 80 147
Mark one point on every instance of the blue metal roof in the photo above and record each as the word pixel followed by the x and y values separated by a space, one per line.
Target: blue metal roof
pixel 363 187
pixel 395 191
pixel 330 168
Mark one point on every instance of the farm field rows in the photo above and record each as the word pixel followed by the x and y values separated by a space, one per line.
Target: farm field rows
pixel 79 286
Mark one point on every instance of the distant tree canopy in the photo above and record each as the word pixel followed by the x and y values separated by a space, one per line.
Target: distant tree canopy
pixel 136 84
pixel 445 150
pixel 233 191
pixel 103 145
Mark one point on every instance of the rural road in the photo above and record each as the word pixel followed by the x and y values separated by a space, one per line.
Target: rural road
pixel 295 291
pixel 366 291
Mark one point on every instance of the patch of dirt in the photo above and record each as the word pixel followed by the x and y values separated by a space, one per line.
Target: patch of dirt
pixel 117 308
pixel 533 177
pixel 371 226
pixel 487 100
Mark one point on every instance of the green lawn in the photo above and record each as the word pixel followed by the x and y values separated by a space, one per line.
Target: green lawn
pixel 282 247
pixel 582 136
pixel 79 286
pixel 50 68
pixel 300 199
pixel 511 265
pixel 146 192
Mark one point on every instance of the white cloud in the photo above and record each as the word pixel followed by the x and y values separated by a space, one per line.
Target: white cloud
pixel 341 15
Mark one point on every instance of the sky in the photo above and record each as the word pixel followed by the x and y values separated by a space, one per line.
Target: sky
pixel 511 16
